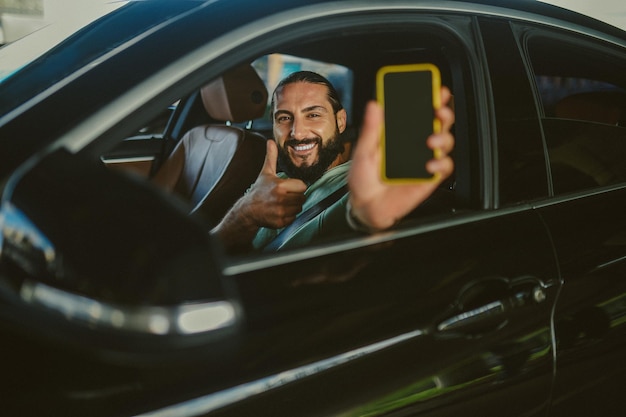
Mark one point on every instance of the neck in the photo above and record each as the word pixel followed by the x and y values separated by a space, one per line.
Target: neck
pixel 342 157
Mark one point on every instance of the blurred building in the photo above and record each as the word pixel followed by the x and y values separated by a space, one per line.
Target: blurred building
pixel 18 18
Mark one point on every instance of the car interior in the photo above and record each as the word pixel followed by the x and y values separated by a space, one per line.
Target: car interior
pixel 213 164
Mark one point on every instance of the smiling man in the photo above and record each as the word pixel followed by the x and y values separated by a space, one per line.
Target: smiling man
pixel 308 128
pixel 308 122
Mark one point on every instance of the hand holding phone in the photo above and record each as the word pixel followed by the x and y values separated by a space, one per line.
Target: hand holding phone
pixel 409 96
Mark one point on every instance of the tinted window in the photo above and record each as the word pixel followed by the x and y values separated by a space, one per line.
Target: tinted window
pixel 582 89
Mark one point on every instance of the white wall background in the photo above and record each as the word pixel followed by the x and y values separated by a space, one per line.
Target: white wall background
pixel 16 25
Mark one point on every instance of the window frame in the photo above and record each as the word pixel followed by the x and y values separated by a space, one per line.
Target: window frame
pixel 455 28
pixel 458 29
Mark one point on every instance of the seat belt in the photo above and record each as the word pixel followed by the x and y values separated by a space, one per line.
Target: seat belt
pixel 303 218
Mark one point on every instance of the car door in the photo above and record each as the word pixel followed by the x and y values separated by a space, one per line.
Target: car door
pixel 433 319
pixel 582 89
pixel 447 313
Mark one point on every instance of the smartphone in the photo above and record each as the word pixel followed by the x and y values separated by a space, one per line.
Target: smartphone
pixel 409 95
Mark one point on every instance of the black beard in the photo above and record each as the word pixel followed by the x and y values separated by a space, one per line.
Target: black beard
pixel 311 173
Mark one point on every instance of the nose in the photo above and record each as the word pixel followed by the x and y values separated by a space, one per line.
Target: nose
pixel 298 129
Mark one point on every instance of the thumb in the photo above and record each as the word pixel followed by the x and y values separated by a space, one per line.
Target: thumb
pixel 271 156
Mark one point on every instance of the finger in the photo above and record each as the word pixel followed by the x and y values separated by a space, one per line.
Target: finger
pixel 442 166
pixel 446 95
pixel 446 117
pixel 271 156
pixel 443 142
pixel 293 185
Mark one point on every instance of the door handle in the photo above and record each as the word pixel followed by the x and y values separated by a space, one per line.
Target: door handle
pixel 483 306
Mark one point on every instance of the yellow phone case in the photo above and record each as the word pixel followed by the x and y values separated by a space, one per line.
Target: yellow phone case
pixel 436 103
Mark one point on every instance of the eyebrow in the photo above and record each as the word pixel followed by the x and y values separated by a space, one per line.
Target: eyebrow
pixel 281 112
pixel 315 107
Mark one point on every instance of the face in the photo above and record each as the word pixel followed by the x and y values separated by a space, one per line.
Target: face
pixel 307 130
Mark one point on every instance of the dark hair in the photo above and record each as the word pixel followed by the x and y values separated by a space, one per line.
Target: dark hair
pixel 312 78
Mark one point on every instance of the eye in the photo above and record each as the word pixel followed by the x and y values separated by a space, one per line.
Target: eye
pixel 283 119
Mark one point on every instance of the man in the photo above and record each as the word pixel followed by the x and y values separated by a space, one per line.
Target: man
pixel 308 120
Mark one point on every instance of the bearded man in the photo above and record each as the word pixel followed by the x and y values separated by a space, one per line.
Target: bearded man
pixel 308 122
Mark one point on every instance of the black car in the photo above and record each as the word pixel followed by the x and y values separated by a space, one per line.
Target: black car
pixel 503 294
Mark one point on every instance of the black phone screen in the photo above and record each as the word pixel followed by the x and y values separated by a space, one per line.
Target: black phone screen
pixel 409 118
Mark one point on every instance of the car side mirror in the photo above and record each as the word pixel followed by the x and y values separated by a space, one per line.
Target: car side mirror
pixel 89 251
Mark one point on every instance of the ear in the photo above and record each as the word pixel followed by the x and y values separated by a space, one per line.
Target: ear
pixel 341 120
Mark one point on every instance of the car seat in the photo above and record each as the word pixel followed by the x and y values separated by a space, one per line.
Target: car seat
pixel 213 165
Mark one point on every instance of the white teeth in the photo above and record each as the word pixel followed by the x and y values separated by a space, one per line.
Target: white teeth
pixel 301 148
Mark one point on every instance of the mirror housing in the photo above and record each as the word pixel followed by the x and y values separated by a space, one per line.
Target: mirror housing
pixel 107 260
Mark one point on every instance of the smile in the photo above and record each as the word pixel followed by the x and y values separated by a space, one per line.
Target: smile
pixel 304 147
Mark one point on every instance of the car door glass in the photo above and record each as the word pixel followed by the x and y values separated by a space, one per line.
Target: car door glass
pixel 583 97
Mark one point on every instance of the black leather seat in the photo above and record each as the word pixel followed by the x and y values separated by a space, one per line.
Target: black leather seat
pixel 213 165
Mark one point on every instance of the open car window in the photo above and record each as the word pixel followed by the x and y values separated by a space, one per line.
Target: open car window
pixel 350 63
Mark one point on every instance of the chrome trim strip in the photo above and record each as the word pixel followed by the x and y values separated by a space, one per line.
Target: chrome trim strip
pixel 112 160
pixel 211 402
pixel 193 318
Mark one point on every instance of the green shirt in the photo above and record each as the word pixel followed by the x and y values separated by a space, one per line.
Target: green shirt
pixel 331 221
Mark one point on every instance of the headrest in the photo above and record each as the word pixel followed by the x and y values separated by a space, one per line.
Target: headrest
pixel 237 96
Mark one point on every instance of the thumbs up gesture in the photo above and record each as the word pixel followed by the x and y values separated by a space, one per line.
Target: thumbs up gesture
pixel 274 202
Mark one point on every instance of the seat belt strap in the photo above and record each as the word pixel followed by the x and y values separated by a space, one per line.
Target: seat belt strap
pixel 305 217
